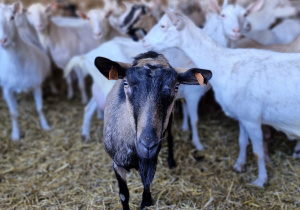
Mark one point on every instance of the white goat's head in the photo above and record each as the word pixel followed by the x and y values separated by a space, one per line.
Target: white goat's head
pixel 167 32
pixel 233 16
pixel 272 10
pixel 98 21
pixel 7 24
pixel 39 15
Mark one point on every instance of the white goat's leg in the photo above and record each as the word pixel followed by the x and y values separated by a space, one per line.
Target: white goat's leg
pixel 100 114
pixel 192 107
pixel 89 110
pixel 256 136
pixel 70 87
pixel 297 150
pixel 81 85
pixel 53 87
pixel 13 109
pixel 37 93
pixel 243 143
pixel 185 123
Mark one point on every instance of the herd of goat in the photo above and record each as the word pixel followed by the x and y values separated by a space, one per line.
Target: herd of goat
pixel 144 55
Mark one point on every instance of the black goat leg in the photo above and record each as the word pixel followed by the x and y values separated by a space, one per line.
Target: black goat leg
pixel 123 189
pixel 171 161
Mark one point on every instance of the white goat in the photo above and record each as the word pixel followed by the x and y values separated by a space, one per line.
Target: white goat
pixel 24 67
pixel 272 10
pixel 246 83
pixel 283 33
pixel 101 27
pixel 226 23
pixel 63 41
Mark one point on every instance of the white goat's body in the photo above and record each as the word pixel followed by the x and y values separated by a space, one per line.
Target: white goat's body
pixel 72 37
pixel 253 86
pixel 24 67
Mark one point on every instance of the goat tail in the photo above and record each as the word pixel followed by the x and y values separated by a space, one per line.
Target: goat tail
pixel 76 61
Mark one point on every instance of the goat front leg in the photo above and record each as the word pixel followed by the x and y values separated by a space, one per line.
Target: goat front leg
pixel 120 173
pixel 243 143
pixel 13 109
pixel 81 85
pixel 37 93
pixel 89 110
pixel 255 133
pixel 171 161
pixel 297 150
pixel 185 123
pixel 192 107
pixel 69 86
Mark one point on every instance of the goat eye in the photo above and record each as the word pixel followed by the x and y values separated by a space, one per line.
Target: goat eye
pixel 176 88
pixel 162 26
pixel 12 17
pixel 223 15
pixel 245 15
pixel 126 84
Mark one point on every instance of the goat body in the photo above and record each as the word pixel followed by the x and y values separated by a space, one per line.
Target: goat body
pixel 247 83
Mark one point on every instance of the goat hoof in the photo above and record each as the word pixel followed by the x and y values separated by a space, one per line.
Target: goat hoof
pixel 259 183
pixel 296 154
pixel 239 168
pixel 146 204
pixel 172 163
pixel 85 138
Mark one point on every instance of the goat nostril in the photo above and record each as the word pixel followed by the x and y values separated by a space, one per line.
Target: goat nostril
pixel 236 30
pixel 3 41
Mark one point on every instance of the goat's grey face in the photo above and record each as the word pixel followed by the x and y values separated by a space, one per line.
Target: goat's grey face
pixel 149 91
pixel 7 25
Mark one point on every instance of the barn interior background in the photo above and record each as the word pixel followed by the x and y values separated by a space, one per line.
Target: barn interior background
pixel 57 170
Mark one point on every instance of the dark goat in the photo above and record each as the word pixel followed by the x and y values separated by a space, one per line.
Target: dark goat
pixel 138 20
pixel 137 113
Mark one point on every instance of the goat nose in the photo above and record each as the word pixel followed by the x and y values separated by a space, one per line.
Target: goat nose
pixel 148 144
pixel 236 30
pixel 98 34
pixel 3 41
pixel 143 40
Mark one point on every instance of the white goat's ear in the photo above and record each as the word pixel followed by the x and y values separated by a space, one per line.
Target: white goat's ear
pixel 112 70
pixel 214 6
pixel 255 6
pixel 17 7
pixel 50 8
pixel 193 76
pixel 176 20
pixel 81 14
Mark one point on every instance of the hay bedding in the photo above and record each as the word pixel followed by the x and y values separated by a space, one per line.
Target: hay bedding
pixel 56 170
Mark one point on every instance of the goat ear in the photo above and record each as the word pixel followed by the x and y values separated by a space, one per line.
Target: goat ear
pixel 255 6
pixel 194 76
pixel 81 14
pixel 214 6
pixel 112 70
pixel 16 7
pixel 176 19
pixel 50 8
